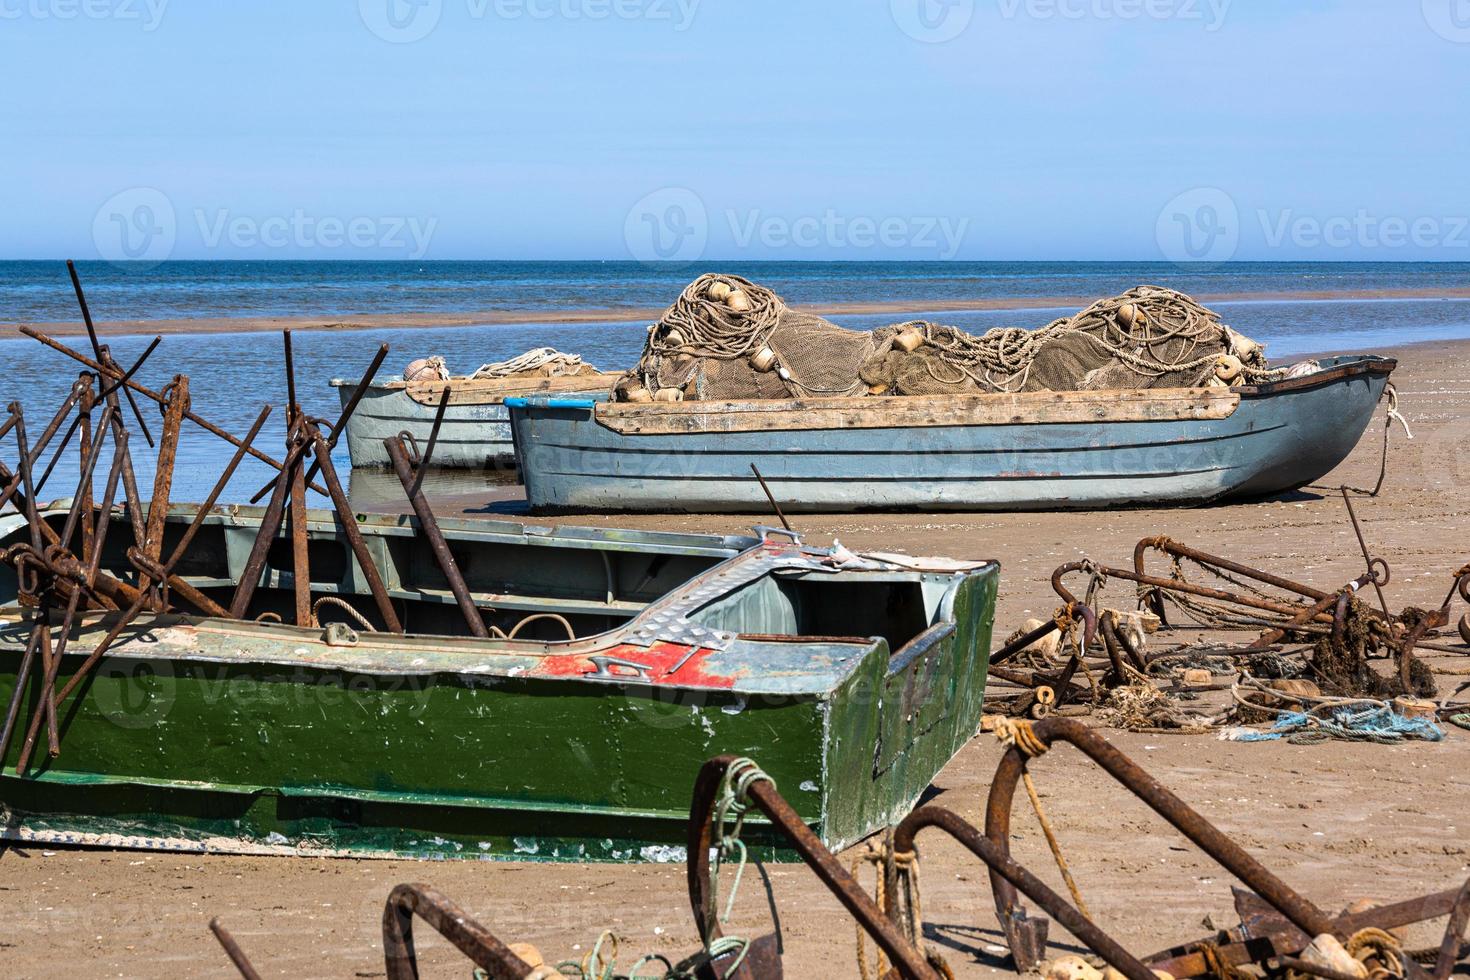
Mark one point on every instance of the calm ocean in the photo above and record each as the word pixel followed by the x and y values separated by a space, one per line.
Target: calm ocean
pixel 232 375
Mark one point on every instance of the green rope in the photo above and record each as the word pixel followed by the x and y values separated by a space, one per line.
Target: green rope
pixel 1460 721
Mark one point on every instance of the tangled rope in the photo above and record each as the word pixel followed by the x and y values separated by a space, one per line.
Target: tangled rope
pixel 555 363
pixel 1350 722
pixel 1130 328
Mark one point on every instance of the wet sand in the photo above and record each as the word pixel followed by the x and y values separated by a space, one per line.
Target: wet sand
pixel 399 321
pixel 1338 821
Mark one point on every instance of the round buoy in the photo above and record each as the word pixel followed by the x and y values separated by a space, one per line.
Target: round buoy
pixel 423 369
pixel 668 395
pixel 910 340
pixel 718 291
pixel 763 359
pixel 738 301
pixel 1228 368
pixel 877 389
pixel 674 338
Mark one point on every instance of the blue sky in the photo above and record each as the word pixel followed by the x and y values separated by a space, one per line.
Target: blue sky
pixel 884 129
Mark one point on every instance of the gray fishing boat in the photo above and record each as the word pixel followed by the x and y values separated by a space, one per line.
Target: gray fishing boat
pixel 1036 450
pixel 475 433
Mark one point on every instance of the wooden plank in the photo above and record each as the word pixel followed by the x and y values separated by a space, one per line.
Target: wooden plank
pixel 493 391
pixel 926 411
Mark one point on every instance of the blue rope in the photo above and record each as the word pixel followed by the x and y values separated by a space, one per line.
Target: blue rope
pixel 1376 724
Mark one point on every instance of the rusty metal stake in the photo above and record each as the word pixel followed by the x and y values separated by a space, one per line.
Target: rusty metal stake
pixel 270 526
pixel 76 284
pixel 1298 910
pixel 400 960
pixel 349 527
pixel 166 572
pixel 233 951
pixel 908 961
pixel 341 426
pixel 429 526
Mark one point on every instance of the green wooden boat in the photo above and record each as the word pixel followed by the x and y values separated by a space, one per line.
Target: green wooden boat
pixel 636 656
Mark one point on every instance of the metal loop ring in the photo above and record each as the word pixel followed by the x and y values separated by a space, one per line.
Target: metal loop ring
pixel 1374 567
pixel 411 445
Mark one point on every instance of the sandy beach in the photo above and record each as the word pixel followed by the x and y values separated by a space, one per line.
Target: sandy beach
pixel 348 321
pixel 1339 821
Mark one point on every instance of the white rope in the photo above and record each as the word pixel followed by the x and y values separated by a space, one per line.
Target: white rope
pixel 531 360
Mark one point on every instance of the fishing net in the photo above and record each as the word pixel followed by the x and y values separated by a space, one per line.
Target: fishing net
pixel 1149 337
pixel 728 338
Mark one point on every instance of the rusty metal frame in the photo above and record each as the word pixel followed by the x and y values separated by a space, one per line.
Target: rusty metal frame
pixel 909 962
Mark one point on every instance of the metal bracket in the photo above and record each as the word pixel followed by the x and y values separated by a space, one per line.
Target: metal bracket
pixel 339 635
pixel 605 673
pixel 765 532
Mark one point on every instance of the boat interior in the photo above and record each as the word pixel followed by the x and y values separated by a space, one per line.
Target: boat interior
pixel 535 583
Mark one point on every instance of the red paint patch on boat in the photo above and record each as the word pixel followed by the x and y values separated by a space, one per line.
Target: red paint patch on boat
pixel 660 659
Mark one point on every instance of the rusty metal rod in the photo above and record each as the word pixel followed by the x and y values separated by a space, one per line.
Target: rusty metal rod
pixel 179 551
pixel 400 961
pixel 429 527
pixel 204 424
pixel 233 951
pixel 908 961
pixel 1169 546
pixel 771 497
pixel 1170 584
pixel 1297 909
pixel 22 674
pixel 47 709
pixel 349 527
pixel 265 535
pixel 46 436
pixel 1276 633
pixel 176 403
pixel 76 285
pixel 357 393
pixel 1001 863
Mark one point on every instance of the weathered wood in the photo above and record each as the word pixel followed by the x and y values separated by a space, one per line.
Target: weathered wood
pixel 493 391
pixel 1032 407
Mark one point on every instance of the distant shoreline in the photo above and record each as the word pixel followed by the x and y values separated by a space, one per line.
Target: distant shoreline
pixel 406 321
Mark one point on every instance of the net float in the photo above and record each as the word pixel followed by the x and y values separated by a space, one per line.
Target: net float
pixel 910 340
pixel 668 395
pixel 1228 368
pixel 674 338
pixel 877 389
pixel 718 291
pixel 638 394
pixel 738 301
pixel 1130 316
pixel 763 359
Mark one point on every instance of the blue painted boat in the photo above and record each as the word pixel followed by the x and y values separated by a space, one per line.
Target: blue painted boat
pixel 1027 451
pixel 475 432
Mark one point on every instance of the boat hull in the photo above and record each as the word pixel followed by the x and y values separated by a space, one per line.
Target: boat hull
pixel 215 735
pixel 475 432
pixel 1050 451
